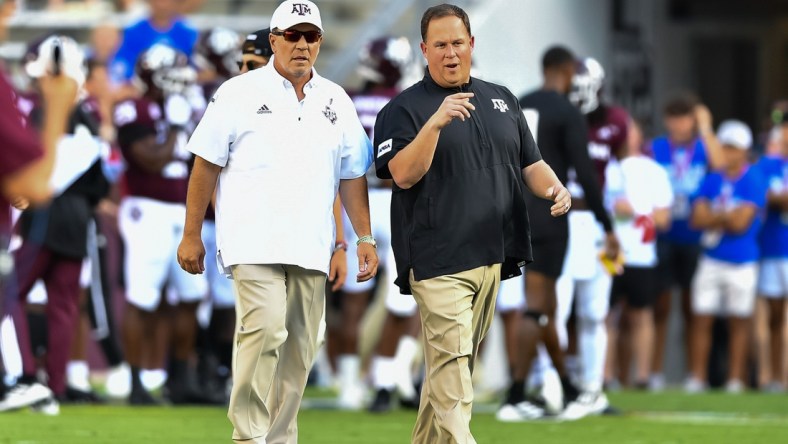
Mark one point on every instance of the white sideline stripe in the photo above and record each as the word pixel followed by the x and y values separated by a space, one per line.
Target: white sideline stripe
pixel 713 418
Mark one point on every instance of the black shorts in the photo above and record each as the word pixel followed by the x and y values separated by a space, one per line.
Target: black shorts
pixel 549 256
pixel 677 264
pixel 637 286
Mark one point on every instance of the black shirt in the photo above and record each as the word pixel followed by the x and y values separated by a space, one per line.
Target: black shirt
pixel 562 137
pixel 469 210
pixel 62 225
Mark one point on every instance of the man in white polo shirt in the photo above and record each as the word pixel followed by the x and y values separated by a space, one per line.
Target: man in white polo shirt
pixel 281 140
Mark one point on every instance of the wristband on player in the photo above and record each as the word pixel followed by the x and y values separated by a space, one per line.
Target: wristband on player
pixel 340 245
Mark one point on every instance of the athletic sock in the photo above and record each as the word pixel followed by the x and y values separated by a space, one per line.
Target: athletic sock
pixel 383 369
pixel 516 393
pixel 407 348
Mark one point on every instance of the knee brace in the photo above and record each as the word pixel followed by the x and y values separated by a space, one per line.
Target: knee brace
pixel 538 316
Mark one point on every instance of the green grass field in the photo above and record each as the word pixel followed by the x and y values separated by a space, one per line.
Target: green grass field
pixel 664 418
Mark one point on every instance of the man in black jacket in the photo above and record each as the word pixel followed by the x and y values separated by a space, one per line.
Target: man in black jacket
pixel 461 155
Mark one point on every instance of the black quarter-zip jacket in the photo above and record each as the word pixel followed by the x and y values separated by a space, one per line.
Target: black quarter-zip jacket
pixel 469 209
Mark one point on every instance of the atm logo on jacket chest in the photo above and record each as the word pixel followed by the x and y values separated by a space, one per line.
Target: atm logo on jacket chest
pixel 500 105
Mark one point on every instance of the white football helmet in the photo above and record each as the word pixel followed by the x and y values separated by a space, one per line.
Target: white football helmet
pixel 587 85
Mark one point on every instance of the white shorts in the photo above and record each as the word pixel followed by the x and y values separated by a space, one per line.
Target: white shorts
pixel 380 219
pixel 511 295
pixel 724 288
pixel 220 286
pixel 773 278
pixel 402 305
pixel 151 232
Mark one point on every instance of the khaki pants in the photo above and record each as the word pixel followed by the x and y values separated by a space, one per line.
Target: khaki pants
pixel 278 312
pixel 456 312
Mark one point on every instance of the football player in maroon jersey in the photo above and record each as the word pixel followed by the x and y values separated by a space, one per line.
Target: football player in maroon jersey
pixel 152 132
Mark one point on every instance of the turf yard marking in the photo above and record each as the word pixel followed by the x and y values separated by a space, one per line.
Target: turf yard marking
pixel 712 418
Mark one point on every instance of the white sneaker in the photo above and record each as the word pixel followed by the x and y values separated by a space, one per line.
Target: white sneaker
pixel 587 404
pixel 23 395
pixel 520 412
pixel 734 386
pixel 48 407
pixel 656 382
pixel 152 380
pixel 773 387
pixel 351 398
pixel 694 385
pixel 118 382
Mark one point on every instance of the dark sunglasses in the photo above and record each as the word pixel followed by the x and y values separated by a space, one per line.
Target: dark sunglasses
pixel 251 65
pixel 291 35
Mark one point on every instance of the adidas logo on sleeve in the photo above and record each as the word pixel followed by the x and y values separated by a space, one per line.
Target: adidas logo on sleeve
pixel 264 110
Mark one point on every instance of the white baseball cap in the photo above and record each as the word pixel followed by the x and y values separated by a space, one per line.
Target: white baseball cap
pixel 735 133
pixel 293 12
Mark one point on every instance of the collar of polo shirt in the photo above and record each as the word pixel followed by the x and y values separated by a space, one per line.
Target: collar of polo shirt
pixel 312 83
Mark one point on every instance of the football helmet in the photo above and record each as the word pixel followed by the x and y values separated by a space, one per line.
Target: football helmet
pixel 587 85
pixel 162 69
pixel 218 49
pixel 55 53
pixel 384 60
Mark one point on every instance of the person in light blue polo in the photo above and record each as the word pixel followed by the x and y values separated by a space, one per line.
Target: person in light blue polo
pixel 729 209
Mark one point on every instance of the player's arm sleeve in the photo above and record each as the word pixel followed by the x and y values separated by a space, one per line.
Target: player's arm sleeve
pixel 576 138
pixel 215 134
pixel 395 128
pixel 356 147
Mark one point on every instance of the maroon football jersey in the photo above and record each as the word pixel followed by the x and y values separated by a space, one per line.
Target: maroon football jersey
pixel 606 137
pixel 137 119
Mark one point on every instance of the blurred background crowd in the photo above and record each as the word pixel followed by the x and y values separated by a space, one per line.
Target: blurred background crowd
pixel 96 308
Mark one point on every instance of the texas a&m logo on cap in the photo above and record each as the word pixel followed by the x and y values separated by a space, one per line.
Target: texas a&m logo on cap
pixel 301 9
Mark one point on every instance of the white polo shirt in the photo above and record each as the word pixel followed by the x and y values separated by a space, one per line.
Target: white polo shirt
pixel 282 161
pixel 642 182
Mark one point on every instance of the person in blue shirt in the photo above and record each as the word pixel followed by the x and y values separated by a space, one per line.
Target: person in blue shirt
pixel 729 209
pixel 687 152
pixel 773 276
pixel 163 25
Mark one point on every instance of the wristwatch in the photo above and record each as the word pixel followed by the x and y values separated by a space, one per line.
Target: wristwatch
pixel 368 239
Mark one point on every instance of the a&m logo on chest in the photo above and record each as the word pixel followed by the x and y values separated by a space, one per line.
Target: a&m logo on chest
pixel 500 105
pixel 330 114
